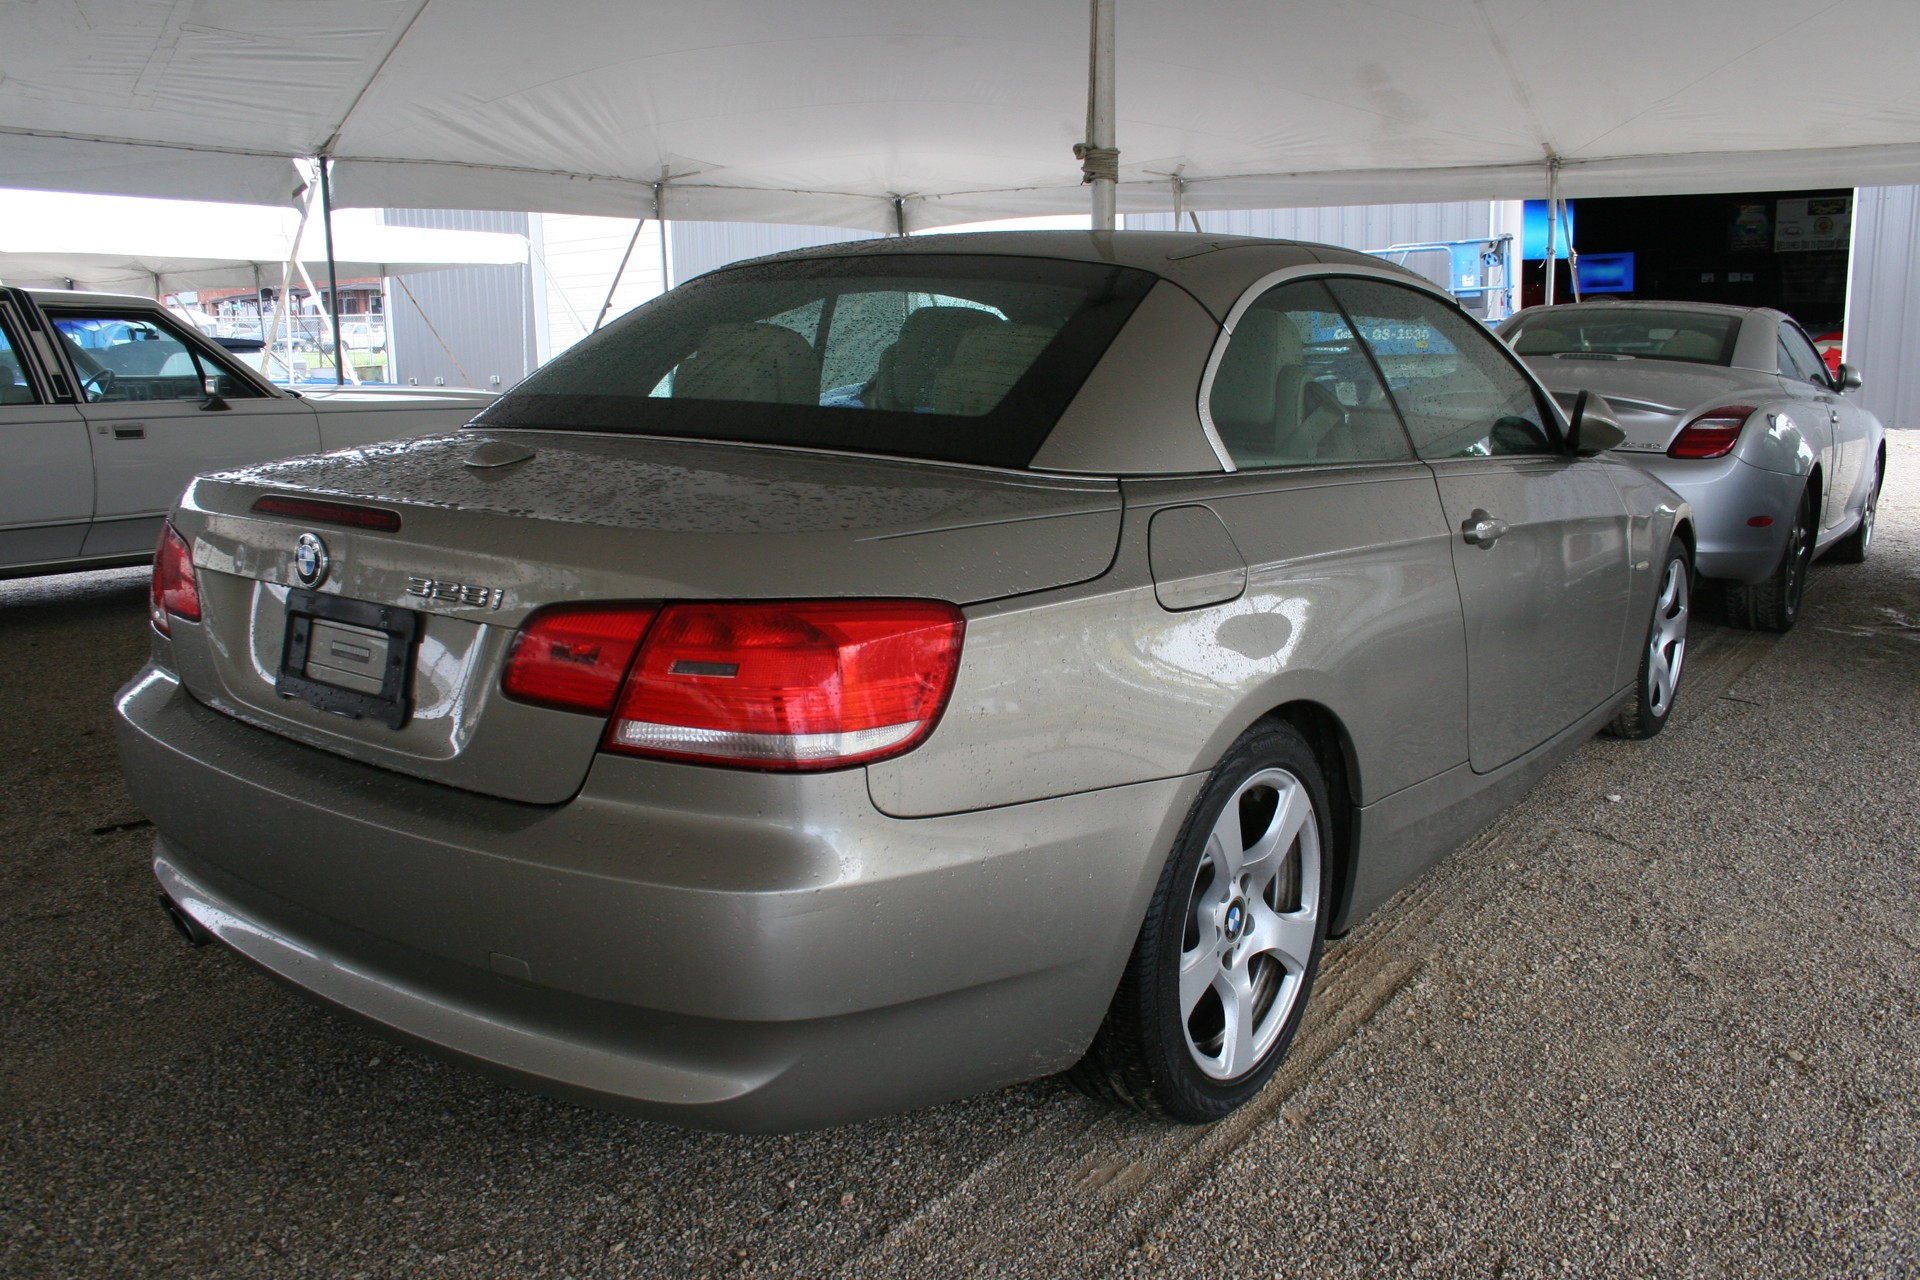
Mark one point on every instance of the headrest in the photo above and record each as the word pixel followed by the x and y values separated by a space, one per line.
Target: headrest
pixel 926 346
pixel 1691 344
pixel 1541 342
pixel 746 360
pixel 985 367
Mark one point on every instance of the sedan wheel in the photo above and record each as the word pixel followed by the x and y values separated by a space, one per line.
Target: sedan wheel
pixel 1645 714
pixel 1221 970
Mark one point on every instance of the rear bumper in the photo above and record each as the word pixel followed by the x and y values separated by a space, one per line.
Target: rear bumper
pixel 1726 495
pixel 713 948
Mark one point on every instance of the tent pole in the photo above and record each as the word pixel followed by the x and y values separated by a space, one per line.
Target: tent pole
pixel 1179 199
pixel 1099 156
pixel 333 275
pixel 618 271
pixel 660 216
pixel 1553 228
pixel 1573 254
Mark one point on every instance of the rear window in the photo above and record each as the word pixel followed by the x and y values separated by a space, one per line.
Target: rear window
pixel 1648 333
pixel 954 358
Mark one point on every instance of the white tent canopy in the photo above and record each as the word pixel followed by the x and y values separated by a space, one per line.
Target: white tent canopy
pixel 903 114
pixel 162 246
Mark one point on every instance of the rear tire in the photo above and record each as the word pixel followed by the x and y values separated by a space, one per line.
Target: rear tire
pixel 1664 654
pixel 1224 962
pixel 1853 548
pixel 1774 603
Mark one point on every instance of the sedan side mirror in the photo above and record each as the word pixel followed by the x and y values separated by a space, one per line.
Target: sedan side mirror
pixel 1848 379
pixel 1593 428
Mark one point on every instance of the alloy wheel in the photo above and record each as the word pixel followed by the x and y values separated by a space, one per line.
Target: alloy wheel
pixel 1250 926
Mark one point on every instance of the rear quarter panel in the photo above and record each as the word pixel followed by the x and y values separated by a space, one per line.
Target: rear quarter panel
pixel 1350 603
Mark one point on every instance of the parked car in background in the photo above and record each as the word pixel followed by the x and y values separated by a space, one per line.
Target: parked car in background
pixel 884 672
pixel 356 335
pixel 109 405
pixel 1735 409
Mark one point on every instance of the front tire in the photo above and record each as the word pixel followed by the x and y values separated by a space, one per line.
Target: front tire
pixel 1774 604
pixel 1665 652
pixel 1224 962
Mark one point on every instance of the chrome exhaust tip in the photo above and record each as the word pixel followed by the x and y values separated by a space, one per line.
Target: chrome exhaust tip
pixel 190 929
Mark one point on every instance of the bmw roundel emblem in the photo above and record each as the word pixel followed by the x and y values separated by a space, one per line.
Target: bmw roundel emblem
pixel 310 560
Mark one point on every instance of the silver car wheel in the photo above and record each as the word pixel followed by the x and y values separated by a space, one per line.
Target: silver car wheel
pixel 1799 554
pixel 1667 643
pixel 1250 925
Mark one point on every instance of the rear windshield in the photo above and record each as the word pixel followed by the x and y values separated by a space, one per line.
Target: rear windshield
pixel 1649 333
pixel 954 358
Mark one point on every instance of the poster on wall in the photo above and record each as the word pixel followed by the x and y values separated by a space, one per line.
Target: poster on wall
pixel 1809 225
pixel 1752 228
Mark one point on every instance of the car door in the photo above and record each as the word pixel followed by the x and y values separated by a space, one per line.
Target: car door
pixel 1844 446
pixel 46 485
pixel 1539 539
pixel 1347 569
pixel 144 392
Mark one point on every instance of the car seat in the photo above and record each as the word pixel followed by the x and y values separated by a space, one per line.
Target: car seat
pixel 928 344
pixel 985 366
pixel 1691 344
pixel 1258 402
pixel 746 360
pixel 13 387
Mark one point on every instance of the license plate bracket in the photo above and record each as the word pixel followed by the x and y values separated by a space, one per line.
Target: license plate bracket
pixel 356 643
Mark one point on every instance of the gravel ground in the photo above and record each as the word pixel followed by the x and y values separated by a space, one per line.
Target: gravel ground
pixel 1658 1020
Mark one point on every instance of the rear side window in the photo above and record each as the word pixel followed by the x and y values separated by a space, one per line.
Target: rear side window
pixel 954 358
pixel 15 386
pixel 1294 387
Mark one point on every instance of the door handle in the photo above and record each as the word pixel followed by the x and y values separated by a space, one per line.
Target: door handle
pixel 1482 528
pixel 138 431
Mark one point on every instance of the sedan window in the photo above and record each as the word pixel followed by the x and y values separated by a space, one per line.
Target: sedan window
pixel 1461 394
pixel 1294 387
pixel 15 387
pixel 1800 360
pixel 126 356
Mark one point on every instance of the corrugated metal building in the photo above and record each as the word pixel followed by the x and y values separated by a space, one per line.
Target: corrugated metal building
pixel 1883 301
pixel 467 327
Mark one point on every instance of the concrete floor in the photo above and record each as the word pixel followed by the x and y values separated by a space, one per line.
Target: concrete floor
pixel 1659 1020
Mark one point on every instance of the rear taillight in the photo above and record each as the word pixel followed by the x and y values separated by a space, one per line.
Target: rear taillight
pixel 174 589
pixel 812 685
pixel 574 658
pixel 1711 435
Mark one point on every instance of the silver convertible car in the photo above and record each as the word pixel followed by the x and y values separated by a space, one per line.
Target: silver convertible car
pixel 871 675
pixel 1734 408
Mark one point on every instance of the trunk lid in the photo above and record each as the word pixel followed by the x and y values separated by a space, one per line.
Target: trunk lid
pixel 484 542
pixel 1653 398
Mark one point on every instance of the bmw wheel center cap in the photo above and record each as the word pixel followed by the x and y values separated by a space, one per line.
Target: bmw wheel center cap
pixel 310 560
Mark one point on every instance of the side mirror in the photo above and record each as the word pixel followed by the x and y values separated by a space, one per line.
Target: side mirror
pixel 1848 379
pixel 1592 428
